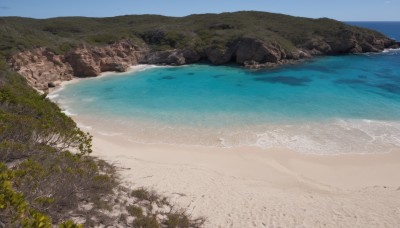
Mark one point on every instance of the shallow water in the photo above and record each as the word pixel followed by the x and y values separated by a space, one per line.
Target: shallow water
pixel 342 104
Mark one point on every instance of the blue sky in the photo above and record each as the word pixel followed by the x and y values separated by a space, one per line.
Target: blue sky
pixel 345 10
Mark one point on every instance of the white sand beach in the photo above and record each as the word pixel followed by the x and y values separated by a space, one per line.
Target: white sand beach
pixel 251 187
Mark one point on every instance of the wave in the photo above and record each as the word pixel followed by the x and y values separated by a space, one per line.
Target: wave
pixel 339 136
pixel 68 113
pixel 387 51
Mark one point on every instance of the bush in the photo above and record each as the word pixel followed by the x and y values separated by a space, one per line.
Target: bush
pixel 135 211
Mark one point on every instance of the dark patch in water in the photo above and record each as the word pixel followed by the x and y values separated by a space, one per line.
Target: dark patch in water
pixel 349 81
pixel 239 85
pixel 323 69
pixel 362 76
pixel 389 76
pixel 388 87
pixel 287 80
pixel 217 75
pixel 190 73
pixel 108 89
pixel 167 78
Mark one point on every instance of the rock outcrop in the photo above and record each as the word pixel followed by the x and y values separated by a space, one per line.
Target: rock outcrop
pixel 348 42
pixel 258 51
pixel 86 61
pixel 43 68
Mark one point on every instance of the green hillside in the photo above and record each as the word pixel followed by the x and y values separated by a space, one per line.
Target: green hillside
pixel 198 31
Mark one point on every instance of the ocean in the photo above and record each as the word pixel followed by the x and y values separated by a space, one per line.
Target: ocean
pixel 329 105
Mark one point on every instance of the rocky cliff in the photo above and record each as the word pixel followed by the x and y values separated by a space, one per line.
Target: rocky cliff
pixel 250 39
pixel 43 68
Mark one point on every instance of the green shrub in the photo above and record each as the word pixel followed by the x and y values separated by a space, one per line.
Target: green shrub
pixel 135 211
pixel 146 222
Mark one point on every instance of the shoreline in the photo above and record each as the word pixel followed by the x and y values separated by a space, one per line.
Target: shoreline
pixel 132 69
pixel 253 187
pixel 298 136
pixel 140 67
pixel 248 186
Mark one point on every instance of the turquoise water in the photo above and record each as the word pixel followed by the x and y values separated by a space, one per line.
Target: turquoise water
pixel 368 88
pixel 341 104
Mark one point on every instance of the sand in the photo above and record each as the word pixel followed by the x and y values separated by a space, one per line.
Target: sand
pixel 251 187
pixel 254 187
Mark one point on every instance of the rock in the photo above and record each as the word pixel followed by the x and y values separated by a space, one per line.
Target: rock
pixel 113 66
pixel 259 51
pixel 219 56
pixel 171 57
pixel 318 46
pixel 54 84
pixel 83 63
pixel 87 61
pixel 191 56
pixel 176 58
pixel 41 67
pixel 344 42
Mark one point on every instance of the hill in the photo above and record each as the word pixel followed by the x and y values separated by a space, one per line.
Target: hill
pixel 79 46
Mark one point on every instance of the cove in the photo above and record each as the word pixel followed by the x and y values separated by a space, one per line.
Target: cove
pixel 329 103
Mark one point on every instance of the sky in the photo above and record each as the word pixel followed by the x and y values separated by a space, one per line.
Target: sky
pixel 344 10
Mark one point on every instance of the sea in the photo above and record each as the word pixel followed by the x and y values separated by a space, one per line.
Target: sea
pixel 330 105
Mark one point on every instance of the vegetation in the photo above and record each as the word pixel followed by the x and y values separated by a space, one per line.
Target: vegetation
pixel 48 177
pixel 194 31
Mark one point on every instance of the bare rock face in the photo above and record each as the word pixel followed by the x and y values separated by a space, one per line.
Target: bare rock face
pixel 88 62
pixel 83 63
pixel 318 46
pixel 258 51
pixel 219 56
pixel 41 66
pixel 191 56
pixel 171 57
pixel 347 42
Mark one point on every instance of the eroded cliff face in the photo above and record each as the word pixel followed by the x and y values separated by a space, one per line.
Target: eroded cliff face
pixel 43 68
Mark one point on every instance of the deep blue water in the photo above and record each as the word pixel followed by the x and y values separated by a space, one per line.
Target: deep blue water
pixel 340 104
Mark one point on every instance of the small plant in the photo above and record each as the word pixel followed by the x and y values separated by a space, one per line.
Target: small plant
pixel 177 220
pixel 142 194
pixel 135 211
pixel 146 222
